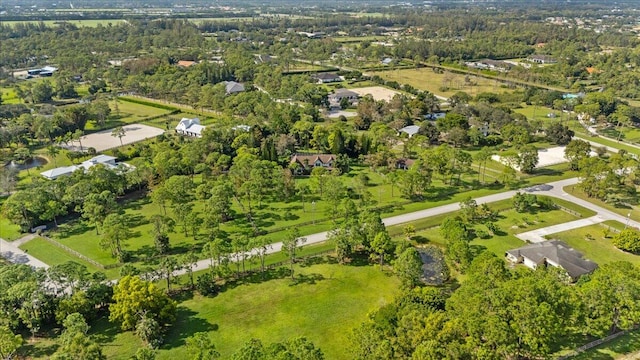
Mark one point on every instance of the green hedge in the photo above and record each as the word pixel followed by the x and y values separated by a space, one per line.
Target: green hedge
pixel 148 103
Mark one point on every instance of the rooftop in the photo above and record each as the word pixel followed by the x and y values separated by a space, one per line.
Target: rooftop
pixel 556 253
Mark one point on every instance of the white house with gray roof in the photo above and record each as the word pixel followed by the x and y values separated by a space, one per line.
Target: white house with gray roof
pixel 554 253
pixel 190 127
pixel 105 160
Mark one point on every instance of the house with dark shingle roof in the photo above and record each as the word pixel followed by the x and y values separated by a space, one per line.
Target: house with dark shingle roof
pixel 552 253
pixel 304 163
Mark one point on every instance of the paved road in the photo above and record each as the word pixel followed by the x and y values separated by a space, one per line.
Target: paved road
pixel 11 252
pixel 554 189
pixel 538 235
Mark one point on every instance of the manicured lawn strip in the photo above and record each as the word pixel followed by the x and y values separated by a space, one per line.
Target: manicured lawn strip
pixel 126 112
pixel 614 224
pixel 599 249
pixel 613 349
pixel 584 212
pixel 180 107
pixel 633 212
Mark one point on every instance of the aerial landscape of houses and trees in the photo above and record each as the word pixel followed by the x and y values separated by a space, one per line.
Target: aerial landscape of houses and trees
pixel 319 180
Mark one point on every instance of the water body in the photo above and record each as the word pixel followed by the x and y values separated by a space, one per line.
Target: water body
pixel 30 163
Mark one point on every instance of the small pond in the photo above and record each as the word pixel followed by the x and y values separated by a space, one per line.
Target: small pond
pixel 30 163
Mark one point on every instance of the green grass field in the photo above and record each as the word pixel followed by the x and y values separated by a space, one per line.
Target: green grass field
pixel 40 248
pixel 125 112
pixel 9 96
pixel 598 249
pixel 510 223
pixel 333 300
pixel 325 302
pixel 427 79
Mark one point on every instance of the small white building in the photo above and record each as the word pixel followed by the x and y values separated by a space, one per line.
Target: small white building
pixel 190 127
pixel 410 130
pixel 104 160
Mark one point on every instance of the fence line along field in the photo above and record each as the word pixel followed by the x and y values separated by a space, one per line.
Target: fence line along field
pixel 443 84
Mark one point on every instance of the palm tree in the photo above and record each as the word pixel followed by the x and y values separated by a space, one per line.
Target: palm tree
pixel 53 151
pixel 77 135
pixel 119 132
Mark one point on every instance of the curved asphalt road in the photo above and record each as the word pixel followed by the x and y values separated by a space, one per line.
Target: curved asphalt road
pixel 555 189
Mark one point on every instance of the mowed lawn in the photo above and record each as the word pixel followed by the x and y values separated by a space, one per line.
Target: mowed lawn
pixel 614 349
pixel 125 112
pixel 591 242
pixel 510 223
pixel 427 79
pixel 324 310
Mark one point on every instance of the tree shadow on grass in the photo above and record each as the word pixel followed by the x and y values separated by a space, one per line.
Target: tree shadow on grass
pixel 309 279
pixel 360 258
pixel 546 172
pixel 36 351
pixel 477 249
pixel 136 220
pixel 73 228
pixel 420 239
pixel 315 260
pixel 187 323
pixel 104 331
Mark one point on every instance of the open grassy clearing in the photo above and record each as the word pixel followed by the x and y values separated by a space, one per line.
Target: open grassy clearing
pixel 510 223
pixel 332 299
pixel 591 241
pixel 325 302
pixel 179 107
pixel 625 133
pixel 9 96
pixel 125 112
pixel 540 113
pixel 427 79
